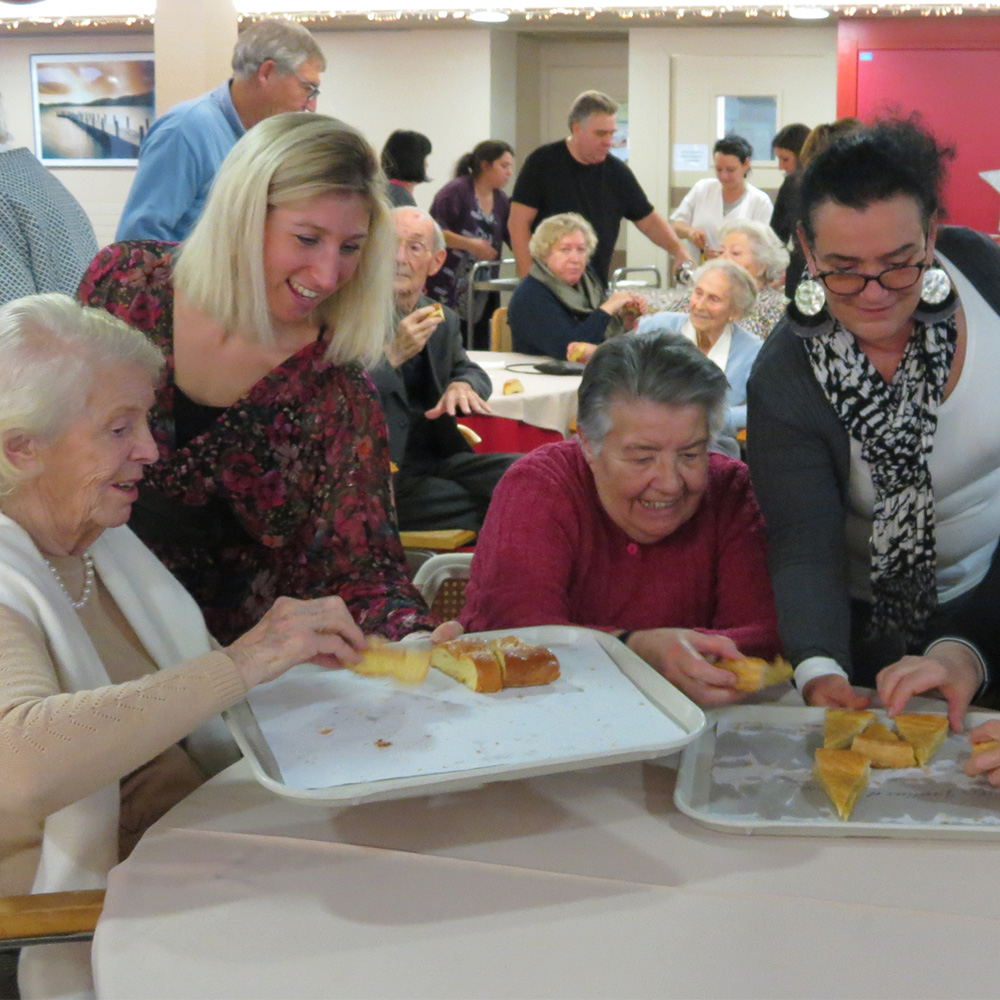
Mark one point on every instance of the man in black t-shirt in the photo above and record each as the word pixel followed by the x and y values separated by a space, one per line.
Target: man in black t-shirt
pixel 578 175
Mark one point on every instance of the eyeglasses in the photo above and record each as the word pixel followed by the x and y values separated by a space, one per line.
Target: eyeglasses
pixel 414 248
pixel 892 279
pixel 311 89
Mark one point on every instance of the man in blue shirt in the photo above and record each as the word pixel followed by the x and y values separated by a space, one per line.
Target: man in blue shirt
pixel 276 67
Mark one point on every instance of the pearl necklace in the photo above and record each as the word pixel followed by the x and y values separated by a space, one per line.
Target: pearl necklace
pixel 88 580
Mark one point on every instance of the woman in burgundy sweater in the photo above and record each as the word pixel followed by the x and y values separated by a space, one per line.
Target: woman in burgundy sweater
pixel 635 528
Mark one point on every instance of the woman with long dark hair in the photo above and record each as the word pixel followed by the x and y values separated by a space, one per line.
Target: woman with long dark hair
pixel 472 209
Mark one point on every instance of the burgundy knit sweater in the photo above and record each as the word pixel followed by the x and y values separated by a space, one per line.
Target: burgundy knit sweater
pixel 548 554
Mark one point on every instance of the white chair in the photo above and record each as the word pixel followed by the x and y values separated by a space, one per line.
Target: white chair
pixel 441 581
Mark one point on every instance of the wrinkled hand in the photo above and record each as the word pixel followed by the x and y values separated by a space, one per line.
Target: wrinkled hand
pixel 679 259
pixel 833 691
pixel 483 249
pixel 617 301
pixel 950 667
pixel 698 238
pixel 985 763
pixel 580 350
pixel 321 631
pixel 413 331
pixel 681 656
pixel 458 397
pixel 446 631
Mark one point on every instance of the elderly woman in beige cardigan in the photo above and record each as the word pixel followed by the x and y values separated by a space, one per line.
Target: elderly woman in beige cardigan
pixel 106 665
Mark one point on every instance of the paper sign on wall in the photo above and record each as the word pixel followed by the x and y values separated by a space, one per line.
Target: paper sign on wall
pixel 690 156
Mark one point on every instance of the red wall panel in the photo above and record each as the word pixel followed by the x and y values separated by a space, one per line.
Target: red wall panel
pixel 947 69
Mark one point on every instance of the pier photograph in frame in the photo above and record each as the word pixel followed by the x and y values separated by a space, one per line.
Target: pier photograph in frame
pixel 92 110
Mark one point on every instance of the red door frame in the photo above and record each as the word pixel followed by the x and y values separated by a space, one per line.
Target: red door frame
pixel 935 32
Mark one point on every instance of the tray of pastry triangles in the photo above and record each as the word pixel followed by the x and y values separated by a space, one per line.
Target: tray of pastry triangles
pixel 755 769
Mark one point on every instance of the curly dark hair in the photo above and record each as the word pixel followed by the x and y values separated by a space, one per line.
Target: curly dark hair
pixel 890 157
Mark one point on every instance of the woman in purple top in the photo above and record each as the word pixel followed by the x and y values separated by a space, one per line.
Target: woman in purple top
pixel 473 210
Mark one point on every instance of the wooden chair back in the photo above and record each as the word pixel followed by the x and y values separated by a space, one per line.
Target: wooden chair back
pixel 500 331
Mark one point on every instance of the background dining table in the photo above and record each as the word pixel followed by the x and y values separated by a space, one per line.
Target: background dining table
pixel 545 411
pixel 581 884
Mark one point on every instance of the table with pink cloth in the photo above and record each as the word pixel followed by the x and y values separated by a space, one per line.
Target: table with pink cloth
pixel 581 884
pixel 545 411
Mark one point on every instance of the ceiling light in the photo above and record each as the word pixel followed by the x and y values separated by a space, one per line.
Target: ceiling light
pixel 488 16
pixel 808 13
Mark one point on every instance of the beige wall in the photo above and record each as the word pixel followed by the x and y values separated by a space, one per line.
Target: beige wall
pixel 675 74
pixel 436 82
pixel 101 190
pixel 463 86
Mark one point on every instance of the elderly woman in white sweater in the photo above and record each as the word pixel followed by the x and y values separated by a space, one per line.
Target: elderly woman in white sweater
pixel 106 665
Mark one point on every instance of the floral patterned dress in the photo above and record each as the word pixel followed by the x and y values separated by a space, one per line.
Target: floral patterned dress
pixel 301 461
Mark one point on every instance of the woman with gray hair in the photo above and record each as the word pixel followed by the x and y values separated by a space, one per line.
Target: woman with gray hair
pixel 107 663
pixel 722 293
pixel 635 528
pixel 561 301
pixel 273 472
pixel 756 247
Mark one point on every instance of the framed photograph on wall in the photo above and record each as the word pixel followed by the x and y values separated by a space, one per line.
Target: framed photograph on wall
pixel 91 110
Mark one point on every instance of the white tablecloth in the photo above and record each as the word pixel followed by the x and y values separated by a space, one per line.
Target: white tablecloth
pixel 586 884
pixel 548 401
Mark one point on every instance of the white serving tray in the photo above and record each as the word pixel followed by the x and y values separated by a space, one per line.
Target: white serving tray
pixel 336 737
pixel 750 771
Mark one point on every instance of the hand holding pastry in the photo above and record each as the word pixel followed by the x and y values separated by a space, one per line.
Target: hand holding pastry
pixel 681 655
pixel 580 350
pixel 412 332
pixel 319 631
pixel 985 759
pixel 949 667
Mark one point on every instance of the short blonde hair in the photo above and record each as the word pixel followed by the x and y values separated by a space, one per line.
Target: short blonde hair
pixel 551 230
pixel 51 348
pixel 287 158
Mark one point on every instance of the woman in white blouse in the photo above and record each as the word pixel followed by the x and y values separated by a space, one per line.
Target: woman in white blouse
pixel 728 195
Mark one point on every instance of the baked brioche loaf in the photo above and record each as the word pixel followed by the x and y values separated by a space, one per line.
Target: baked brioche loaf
pixel 469 661
pixel 522 664
pixel 407 664
pixel 487 666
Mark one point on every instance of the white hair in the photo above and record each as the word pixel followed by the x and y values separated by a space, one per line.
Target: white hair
pixel 51 351
pixel 438 240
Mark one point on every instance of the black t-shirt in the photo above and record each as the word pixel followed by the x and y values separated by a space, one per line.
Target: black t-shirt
pixel 551 181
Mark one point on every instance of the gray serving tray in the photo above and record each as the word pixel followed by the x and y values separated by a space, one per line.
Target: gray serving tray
pixel 750 772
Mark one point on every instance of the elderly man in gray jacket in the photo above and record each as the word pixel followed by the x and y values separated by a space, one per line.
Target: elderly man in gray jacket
pixel 425 381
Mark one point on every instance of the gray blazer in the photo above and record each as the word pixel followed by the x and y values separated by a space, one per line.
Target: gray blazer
pixel 448 363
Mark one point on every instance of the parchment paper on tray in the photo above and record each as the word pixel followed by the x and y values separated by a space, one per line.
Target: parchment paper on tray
pixel 331 728
pixel 763 772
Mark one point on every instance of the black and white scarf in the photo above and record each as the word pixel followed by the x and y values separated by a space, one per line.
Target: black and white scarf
pixel 894 422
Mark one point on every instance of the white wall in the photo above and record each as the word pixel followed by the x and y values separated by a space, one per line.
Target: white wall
pixel 101 190
pixel 675 75
pixel 435 82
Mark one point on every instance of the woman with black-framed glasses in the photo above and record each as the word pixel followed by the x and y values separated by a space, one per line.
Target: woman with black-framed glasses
pixel 874 431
